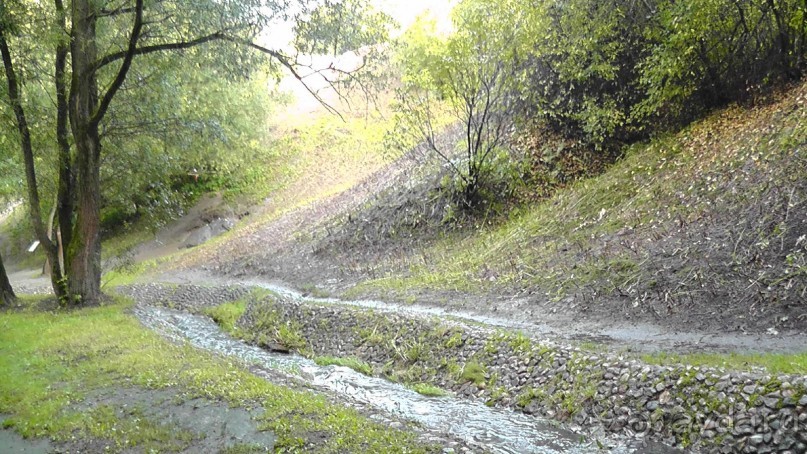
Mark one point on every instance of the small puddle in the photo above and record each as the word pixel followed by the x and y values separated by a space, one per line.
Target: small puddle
pixel 495 430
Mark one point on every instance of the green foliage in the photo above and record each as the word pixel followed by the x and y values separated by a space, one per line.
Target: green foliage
pixel 605 72
pixel 465 78
pixel 324 30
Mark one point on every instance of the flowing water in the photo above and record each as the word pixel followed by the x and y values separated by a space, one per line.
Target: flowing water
pixel 496 430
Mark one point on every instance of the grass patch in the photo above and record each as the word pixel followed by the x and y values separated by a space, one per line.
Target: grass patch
pixel 771 362
pixel 314 291
pixel 225 315
pixel 271 328
pixel 51 360
pixel 350 362
pixel 134 430
pixel 428 390
pixel 473 372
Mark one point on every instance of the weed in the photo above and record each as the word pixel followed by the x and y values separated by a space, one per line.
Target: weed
pixel 350 362
pixel 473 372
pixel 427 389
pixel 227 314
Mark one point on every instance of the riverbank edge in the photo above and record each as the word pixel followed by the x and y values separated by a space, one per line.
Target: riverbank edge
pixel 695 408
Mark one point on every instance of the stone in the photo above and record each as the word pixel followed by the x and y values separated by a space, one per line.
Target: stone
pixel 756 439
pixel 771 402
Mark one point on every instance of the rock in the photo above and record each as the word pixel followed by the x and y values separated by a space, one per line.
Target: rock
pixel 652 405
pixel 771 402
pixel 198 236
pixel 755 439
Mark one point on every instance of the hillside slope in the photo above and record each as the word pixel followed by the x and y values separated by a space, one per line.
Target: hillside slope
pixel 700 230
pixel 704 229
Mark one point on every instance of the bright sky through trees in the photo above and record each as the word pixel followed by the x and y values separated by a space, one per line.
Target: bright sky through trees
pixel 404 12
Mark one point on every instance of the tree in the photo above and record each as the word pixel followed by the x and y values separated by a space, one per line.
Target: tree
pixel 6 292
pixel 466 77
pixel 101 39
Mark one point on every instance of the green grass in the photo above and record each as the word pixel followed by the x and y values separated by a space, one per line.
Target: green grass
pixel 473 372
pixel 351 362
pixel 225 315
pixel 50 360
pixel 771 362
pixel 427 389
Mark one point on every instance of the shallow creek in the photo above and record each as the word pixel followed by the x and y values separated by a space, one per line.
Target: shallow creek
pixel 491 429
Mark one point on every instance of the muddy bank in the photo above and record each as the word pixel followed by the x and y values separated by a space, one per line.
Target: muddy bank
pixel 689 407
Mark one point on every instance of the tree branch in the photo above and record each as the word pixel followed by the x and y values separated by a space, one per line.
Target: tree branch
pixel 124 68
pixel 111 58
pixel 285 61
pixel 281 58
pixel 117 11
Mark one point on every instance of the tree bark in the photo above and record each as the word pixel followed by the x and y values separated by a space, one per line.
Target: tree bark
pixel 83 254
pixel 6 292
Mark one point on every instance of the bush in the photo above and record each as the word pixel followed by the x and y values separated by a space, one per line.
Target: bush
pixel 611 72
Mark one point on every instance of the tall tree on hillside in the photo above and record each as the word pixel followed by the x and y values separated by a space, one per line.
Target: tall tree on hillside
pixel 6 292
pixel 101 39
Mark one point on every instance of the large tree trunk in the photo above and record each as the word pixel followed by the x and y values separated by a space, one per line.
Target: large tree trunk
pixel 83 255
pixel 84 251
pixel 6 292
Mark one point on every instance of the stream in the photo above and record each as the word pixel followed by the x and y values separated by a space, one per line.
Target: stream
pixel 492 429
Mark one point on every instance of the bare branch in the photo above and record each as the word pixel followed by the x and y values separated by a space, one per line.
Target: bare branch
pixel 286 62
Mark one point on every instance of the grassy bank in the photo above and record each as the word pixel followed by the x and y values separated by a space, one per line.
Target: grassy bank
pixel 50 361
pixel 707 218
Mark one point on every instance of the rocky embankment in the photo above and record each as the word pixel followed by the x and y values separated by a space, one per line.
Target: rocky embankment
pixel 701 409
